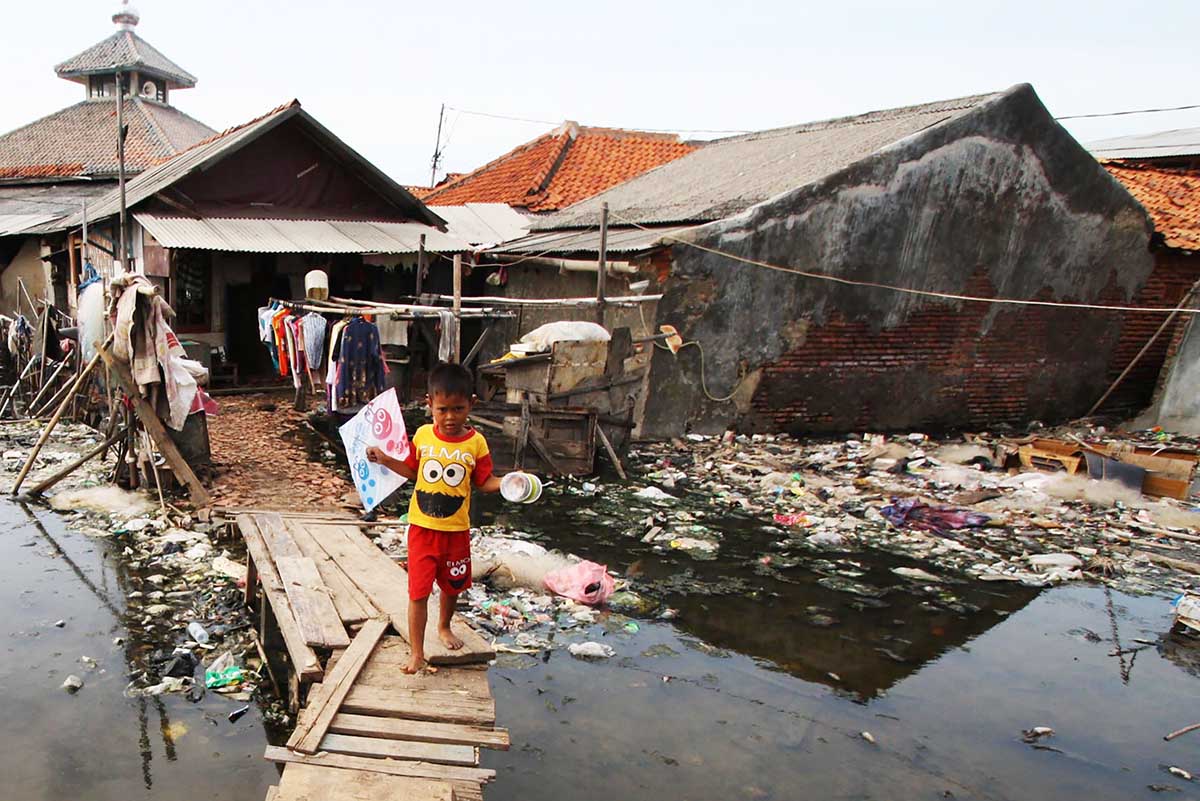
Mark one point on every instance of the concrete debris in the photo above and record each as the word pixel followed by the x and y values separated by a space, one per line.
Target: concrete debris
pixel 73 684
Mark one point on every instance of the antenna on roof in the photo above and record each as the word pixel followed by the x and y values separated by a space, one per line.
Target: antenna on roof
pixel 437 149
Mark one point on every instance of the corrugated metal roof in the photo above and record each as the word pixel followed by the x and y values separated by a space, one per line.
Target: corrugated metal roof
pixel 204 154
pixel 32 209
pixel 558 243
pixel 1159 145
pixel 728 176
pixel 483 224
pixel 296 236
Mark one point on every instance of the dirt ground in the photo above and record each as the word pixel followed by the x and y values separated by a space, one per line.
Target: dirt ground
pixel 261 450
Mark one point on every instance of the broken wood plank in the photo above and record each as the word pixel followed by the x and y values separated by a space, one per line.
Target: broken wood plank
pixel 439 706
pixel 304 659
pixel 1167 561
pixel 611 451
pixel 421 731
pixel 50 481
pixel 352 604
pixel 307 736
pixel 436 753
pixel 311 603
pixel 393 767
pixel 301 782
pixel 154 427
pixel 272 793
pixel 386 584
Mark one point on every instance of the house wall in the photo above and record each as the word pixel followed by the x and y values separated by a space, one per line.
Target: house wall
pixel 1177 396
pixel 1000 202
pixel 26 267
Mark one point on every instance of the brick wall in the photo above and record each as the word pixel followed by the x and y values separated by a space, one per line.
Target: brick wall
pixel 977 363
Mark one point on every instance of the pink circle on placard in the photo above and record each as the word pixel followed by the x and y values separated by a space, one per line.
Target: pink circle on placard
pixel 391 445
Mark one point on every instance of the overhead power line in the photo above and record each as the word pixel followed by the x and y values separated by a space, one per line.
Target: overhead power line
pixel 907 290
pixel 1125 113
pixel 559 122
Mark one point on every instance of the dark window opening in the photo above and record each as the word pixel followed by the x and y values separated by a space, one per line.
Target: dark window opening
pixel 193 290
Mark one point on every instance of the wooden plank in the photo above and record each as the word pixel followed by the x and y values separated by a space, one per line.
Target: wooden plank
pixel 386 584
pixel 304 659
pixel 436 753
pixel 302 782
pixel 311 602
pixel 390 674
pixel 276 535
pixel 352 605
pixel 308 733
pixel 154 427
pixel 393 767
pixel 439 706
pixel 421 731
pixel 272 793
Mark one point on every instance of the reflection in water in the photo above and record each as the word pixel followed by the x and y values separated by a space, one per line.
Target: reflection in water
pixel 99 744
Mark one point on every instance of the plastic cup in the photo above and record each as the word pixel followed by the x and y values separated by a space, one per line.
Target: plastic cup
pixel 516 487
pixel 535 490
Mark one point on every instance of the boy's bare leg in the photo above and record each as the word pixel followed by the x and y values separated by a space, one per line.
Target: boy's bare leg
pixel 418 615
pixel 445 613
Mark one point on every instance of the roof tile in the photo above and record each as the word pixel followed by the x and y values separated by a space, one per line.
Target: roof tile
pixel 1171 196
pixel 562 167
pixel 80 140
pixel 125 49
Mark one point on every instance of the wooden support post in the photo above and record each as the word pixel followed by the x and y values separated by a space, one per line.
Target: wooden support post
pixel 522 435
pixel 37 448
pixel 420 265
pixel 474 351
pixel 612 453
pixel 602 266
pixel 12 392
pixel 47 483
pixel 457 308
pixel 154 427
pixel 46 385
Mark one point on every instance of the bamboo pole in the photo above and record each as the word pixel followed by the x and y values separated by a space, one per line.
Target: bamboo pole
pixel 47 483
pixel 54 420
pixel 46 385
pixel 457 308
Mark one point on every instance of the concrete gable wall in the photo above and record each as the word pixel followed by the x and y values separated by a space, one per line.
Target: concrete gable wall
pixel 998 202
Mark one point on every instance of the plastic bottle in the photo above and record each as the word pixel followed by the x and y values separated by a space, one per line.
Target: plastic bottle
pixel 197 633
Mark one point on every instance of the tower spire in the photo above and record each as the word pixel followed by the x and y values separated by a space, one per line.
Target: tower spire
pixel 127 16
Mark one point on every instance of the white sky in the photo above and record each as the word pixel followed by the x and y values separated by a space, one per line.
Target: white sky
pixel 376 71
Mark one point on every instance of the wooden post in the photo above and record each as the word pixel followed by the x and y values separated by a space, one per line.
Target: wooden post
pixel 420 265
pixel 72 277
pixel 457 308
pixel 46 385
pixel 602 265
pixel 154 427
pixel 124 252
pixel 54 421
pixel 47 483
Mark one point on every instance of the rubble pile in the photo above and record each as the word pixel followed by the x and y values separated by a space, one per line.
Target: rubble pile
pixel 961 505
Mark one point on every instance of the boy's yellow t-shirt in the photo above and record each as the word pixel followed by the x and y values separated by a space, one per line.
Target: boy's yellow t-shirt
pixel 446 468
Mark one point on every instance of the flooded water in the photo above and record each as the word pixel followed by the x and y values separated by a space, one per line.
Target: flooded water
pixel 760 688
pixel 97 744
pixel 753 692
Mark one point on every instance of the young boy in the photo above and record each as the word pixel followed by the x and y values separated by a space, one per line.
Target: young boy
pixel 445 459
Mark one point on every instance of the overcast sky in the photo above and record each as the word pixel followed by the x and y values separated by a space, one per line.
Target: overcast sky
pixel 376 71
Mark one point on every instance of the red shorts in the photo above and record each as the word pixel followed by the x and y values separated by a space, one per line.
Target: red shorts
pixel 441 555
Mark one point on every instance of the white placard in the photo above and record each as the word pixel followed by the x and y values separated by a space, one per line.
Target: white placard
pixel 379 424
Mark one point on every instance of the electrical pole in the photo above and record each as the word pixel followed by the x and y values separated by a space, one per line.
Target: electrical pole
pixel 124 247
pixel 602 265
pixel 437 149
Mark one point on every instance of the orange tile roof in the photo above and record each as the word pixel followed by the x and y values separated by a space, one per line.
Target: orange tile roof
pixel 569 164
pixel 1171 196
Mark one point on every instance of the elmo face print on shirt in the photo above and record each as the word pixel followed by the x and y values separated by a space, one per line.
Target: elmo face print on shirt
pixel 440 490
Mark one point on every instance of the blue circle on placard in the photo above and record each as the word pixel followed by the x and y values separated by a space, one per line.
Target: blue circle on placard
pixel 370 500
pixel 371 482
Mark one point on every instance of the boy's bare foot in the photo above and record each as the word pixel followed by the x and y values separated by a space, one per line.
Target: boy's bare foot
pixel 449 639
pixel 414 666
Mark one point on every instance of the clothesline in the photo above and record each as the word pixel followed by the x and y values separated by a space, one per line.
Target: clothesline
pixel 397 311
pixel 624 300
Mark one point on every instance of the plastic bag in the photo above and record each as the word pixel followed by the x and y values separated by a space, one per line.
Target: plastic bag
pixel 586 582
pixel 546 335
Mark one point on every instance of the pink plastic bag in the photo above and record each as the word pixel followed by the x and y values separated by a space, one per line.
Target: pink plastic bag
pixel 586 582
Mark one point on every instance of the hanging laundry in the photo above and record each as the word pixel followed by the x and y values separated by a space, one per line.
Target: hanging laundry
pixel 449 326
pixel 393 332
pixel 361 376
pixel 314 338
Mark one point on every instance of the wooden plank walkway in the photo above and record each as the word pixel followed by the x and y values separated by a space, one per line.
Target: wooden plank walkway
pixel 367 731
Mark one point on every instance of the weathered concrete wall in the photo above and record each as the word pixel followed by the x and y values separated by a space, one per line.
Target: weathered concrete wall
pixel 998 202
pixel 26 267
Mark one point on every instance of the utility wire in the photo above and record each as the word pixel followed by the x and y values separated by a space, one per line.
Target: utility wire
pixel 1126 113
pixel 559 122
pixel 907 290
